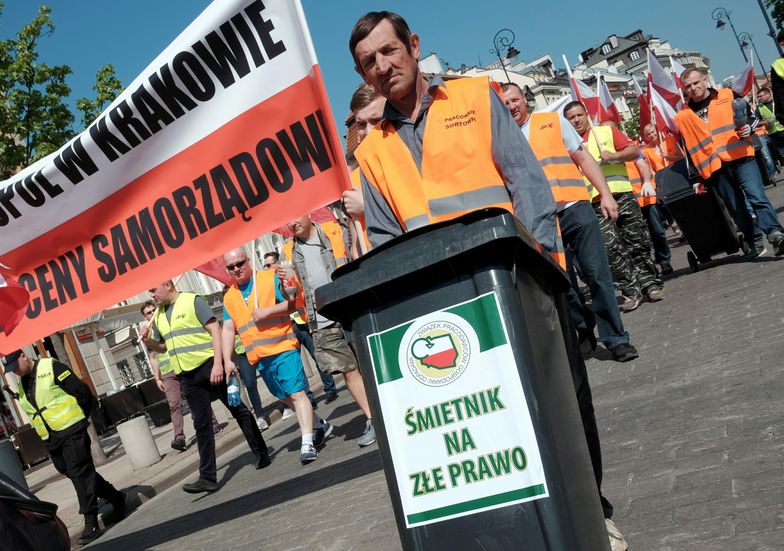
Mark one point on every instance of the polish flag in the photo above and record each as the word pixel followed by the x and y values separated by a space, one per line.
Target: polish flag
pixel 663 83
pixel 677 71
pixel 582 92
pixel 607 108
pixel 13 303
pixel 745 82
pixel 645 110
pixel 664 111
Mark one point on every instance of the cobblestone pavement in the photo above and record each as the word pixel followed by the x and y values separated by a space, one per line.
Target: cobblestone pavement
pixel 692 432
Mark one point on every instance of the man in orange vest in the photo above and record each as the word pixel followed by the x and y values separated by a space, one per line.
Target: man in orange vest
pixel 257 308
pixel 559 148
pixel 315 254
pixel 722 152
pixel 482 160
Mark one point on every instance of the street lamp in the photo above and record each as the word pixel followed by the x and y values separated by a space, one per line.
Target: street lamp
pixel 745 41
pixel 719 15
pixel 504 39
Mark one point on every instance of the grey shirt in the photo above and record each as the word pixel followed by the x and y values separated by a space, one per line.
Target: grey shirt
pixel 317 272
pixel 524 178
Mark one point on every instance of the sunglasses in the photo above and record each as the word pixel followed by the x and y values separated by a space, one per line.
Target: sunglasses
pixel 232 267
pixel 149 313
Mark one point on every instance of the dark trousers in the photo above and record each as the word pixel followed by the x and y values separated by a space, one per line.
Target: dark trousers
pixel 661 248
pixel 249 379
pixel 72 458
pixel 306 339
pixel 200 392
pixel 584 397
pixel 583 238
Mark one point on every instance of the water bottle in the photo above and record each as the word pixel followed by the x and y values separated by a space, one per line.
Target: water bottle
pixel 740 113
pixel 234 391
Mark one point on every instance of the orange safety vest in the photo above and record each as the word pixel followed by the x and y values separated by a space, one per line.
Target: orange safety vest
pixel 709 144
pixel 546 140
pixel 458 174
pixel 268 337
pixel 334 231
pixel 654 158
pixel 636 180
pixel 356 182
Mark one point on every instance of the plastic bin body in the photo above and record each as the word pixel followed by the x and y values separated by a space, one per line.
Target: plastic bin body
pixel 479 280
pixel 703 219
pixel 10 464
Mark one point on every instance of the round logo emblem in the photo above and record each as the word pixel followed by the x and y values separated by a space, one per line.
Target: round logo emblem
pixel 438 353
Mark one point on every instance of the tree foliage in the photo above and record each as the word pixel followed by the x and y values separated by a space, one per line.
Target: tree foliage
pixel 35 117
pixel 777 11
pixel 632 126
pixel 107 87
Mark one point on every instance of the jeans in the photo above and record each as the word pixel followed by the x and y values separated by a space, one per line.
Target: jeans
pixel 199 392
pixel 583 239
pixel 306 339
pixel 764 146
pixel 738 181
pixel 248 376
pixel 661 249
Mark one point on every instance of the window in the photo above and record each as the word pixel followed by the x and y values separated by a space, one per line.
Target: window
pixel 634 56
pixel 606 49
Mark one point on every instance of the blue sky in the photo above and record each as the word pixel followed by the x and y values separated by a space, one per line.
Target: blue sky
pixel 130 33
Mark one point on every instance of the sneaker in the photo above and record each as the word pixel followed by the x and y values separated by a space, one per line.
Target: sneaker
pixel 630 304
pixel 287 412
pixel 666 268
pixel 655 293
pixel 617 541
pixel 369 436
pixel 777 241
pixel 179 445
pixel 307 454
pixel 624 352
pixel 199 486
pixel 321 433
pixel 262 423
pixel 92 530
pixel 216 428
pixel 331 396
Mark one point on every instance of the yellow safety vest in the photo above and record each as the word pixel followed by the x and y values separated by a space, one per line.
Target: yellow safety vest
pixel 164 365
pixel 57 409
pixel 188 343
pixel 615 174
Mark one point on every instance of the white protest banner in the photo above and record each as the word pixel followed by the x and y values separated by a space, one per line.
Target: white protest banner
pixel 227 134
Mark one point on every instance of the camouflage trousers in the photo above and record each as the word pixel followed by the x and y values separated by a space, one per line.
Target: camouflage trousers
pixel 629 247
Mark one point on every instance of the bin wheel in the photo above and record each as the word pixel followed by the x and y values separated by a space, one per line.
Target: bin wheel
pixel 693 264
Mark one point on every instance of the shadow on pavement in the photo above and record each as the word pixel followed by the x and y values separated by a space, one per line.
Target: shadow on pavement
pixel 259 500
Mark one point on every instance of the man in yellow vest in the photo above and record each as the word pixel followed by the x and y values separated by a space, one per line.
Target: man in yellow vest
pixel 185 327
pixel 479 159
pixel 627 241
pixel 315 254
pixel 767 110
pixel 777 82
pixel 257 308
pixel 58 404
pixel 559 148
pixel 722 152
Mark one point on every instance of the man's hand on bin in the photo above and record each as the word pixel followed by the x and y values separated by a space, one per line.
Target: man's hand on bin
pixel 699 188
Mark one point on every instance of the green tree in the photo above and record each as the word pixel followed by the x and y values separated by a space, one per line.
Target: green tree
pixel 107 87
pixel 35 117
pixel 777 11
pixel 632 126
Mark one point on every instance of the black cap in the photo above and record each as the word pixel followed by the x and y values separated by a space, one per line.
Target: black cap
pixel 780 36
pixel 11 361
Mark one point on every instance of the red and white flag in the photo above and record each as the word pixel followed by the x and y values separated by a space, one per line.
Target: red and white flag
pixel 226 135
pixel 677 71
pixel 745 82
pixel 13 302
pixel 583 93
pixel 216 269
pixel 663 111
pixel 608 111
pixel 663 83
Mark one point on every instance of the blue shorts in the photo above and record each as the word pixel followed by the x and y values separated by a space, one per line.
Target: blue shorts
pixel 283 373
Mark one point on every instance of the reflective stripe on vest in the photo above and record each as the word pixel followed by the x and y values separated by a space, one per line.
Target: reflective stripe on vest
pixel 269 337
pixel 188 343
pixel 615 173
pixel 57 409
pixel 546 140
pixel 164 365
pixel 635 178
pixel 709 144
pixel 458 173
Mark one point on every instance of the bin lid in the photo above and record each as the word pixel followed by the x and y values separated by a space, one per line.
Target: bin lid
pixel 429 245
pixel 673 182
